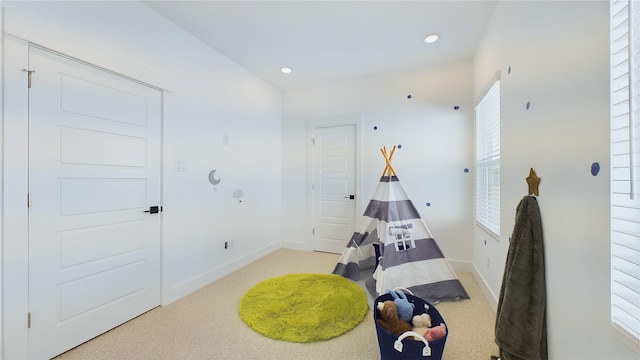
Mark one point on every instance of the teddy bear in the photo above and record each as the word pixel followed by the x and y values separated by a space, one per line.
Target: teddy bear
pixel 421 323
pixel 389 319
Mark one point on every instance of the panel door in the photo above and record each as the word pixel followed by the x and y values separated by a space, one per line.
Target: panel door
pixel 334 187
pixel 94 168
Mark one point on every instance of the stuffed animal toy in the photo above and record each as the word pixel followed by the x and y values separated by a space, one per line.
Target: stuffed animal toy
pixel 421 323
pixel 405 308
pixel 389 320
pixel 436 332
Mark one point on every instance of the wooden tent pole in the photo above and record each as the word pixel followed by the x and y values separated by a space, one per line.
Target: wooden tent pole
pixel 391 170
pixel 386 166
pixel 388 169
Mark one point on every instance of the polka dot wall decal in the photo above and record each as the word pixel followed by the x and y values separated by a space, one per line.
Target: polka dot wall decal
pixel 428 204
pixel 528 105
pixel 399 146
pixel 466 170
pixel 375 128
pixel 595 169
pixel 509 70
pixel 409 96
pixel 456 107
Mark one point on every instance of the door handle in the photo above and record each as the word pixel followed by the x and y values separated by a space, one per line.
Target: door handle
pixel 153 210
pixel 350 197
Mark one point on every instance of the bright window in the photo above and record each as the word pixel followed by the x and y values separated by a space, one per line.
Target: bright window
pixel 488 160
pixel 625 169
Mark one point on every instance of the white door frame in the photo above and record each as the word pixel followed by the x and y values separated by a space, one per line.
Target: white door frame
pixel 329 121
pixel 15 251
pixel 15 236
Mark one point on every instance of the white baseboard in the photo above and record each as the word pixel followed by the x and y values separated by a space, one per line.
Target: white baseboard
pixel 460 265
pixel 189 286
pixel 294 245
pixel 486 290
pixel 466 266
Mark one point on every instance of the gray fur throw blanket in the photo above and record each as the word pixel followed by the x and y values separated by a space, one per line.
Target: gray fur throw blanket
pixel 521 324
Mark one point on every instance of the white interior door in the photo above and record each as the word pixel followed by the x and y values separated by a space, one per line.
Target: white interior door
pixel 334 187
pixel 94 168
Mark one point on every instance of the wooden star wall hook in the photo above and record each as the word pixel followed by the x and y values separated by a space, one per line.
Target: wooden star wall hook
pixel 534 181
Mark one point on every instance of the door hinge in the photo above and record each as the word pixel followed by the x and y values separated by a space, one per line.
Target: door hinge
pixel 29 200
pixel 28 320
pixel 29 75
pixel 313 141
pixel 313 231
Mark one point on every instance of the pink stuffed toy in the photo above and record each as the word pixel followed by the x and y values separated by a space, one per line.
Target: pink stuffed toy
pixel 435 333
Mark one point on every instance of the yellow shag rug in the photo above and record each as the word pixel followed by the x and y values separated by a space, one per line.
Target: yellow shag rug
pixel 304 307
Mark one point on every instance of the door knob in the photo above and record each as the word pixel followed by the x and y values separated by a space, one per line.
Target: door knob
pixel 153 210
pixel 350 197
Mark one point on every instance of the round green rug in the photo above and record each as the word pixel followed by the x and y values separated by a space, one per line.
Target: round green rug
pixel 304 307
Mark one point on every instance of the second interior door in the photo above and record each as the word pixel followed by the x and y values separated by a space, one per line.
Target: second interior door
pixel 334 187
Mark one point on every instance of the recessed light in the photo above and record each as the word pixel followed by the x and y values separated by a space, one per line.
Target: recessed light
pixel 430 39
pixel 286 70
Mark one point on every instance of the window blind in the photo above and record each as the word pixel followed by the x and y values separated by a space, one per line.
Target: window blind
pixel 488 160
pixel 625 182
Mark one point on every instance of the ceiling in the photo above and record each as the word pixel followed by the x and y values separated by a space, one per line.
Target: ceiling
pixel 330 41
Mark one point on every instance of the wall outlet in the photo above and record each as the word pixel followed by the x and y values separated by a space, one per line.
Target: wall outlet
pixel 181 165
pixel 228 244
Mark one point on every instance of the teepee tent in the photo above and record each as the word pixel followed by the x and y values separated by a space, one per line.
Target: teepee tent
pixel 392 247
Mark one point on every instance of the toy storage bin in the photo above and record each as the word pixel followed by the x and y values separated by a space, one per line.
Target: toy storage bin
pixel 401 348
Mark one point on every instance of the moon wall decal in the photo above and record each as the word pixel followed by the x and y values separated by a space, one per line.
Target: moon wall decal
pixel 212 178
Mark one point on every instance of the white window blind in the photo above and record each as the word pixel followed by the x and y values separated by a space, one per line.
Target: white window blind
pixel 488 160
pixel 625 182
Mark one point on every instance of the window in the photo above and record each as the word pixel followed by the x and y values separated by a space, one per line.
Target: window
pixel 625 169
pixel 488 160
pixel 402 237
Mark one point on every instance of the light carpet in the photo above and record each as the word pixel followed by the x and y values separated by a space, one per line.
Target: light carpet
pixel 206 325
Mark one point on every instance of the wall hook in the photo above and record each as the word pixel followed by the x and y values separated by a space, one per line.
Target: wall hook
pixel 533 181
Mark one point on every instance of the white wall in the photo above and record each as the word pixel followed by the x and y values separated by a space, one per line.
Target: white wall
pixel 436 146
pixel 1 166
pixel 208 97
pixel 558 53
